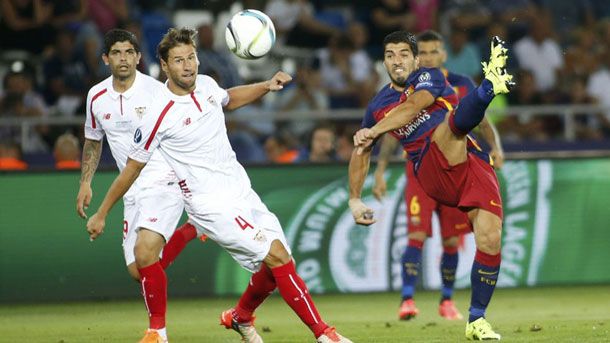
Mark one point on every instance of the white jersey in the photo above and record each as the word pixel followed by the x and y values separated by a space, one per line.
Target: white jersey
pixel 190 133
pixel 117 116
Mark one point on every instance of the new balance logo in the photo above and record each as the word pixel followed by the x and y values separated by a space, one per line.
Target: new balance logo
pixel 107 116
pixel 152 219
pixel 187 121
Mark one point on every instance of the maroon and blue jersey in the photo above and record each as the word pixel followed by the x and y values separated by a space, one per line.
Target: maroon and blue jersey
pixel 413 135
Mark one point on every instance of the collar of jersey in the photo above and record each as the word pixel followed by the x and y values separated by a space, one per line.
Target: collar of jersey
pixel 128 93
pixel 183 98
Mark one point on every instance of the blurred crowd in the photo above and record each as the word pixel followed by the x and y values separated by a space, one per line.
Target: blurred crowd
pixel 50 57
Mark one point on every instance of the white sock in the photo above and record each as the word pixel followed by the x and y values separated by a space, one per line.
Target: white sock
pixel 162 332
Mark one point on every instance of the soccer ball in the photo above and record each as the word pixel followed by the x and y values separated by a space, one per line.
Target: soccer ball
pixel 250 34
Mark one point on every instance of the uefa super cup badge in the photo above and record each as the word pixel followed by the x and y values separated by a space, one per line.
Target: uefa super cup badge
pixel 140 111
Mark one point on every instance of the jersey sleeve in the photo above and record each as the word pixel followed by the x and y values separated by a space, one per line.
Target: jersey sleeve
pixel 93 130
pixel 369 118
pixel 431 80
pixel 147 137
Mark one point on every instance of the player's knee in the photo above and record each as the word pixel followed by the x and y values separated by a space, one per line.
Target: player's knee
pixel 418 236
pixel 277 256
pixel 451 242
pixel 489 240
pixel 145 255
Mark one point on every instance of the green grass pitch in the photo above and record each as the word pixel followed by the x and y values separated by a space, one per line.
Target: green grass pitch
pixel 554 314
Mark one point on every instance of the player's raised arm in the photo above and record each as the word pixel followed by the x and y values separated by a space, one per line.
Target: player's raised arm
pixel 243 95
pixel 398 117
pixel 120 186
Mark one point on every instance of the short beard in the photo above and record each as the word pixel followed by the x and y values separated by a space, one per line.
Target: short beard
pixel 399 82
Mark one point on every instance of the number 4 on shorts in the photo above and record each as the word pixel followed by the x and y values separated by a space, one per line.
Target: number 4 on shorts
pixel 243 224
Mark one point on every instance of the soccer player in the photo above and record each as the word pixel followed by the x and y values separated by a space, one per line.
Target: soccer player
pixel 188 128
pixel 419 205
pixel 115 108
pixel 447 165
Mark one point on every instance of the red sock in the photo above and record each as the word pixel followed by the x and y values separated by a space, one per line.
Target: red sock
pixel 174 246
pixel 296 295
pixel 261 285
pixel 154 291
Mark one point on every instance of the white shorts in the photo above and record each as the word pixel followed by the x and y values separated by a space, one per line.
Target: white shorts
pixel 157 209
pixel 244 227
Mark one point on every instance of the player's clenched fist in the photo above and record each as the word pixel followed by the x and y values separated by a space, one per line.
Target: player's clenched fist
pixel 363 139
pixel 278 81
pixel 95 226
pixel 362 214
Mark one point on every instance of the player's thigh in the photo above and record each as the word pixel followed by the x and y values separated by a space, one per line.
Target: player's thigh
pixel 159 210
pixel 452 146
pixel 419 208
pixel 245 228
pixel 453 221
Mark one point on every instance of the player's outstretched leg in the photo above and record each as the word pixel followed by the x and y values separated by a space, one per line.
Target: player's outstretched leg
pixel 411 262
pixel 449 262
pixel 471 109
pixel 295 293
pixel 484 274
pixel 176 244
pixel 241 317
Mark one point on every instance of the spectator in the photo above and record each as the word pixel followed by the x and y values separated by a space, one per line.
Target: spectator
pixel 344 73
pixel 539 53
pixel 67 152
pixel 388 16
pixel 321 145
pixel 25 25
pixel 470 16
pixel 598 86
pixel 345 142
pixel 67 76
pixel 463 56
pixel 212 62
pixel 280 148
pixel 296 24
pixel 10 156
pixel 73 15
pixel 20 100
pixel 517 128
pixel 585 124
pixel 426 12
pixel 108 14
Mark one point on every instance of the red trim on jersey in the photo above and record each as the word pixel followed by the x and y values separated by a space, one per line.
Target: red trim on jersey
pixel 158 123
pixel 91 105
pixel 195 100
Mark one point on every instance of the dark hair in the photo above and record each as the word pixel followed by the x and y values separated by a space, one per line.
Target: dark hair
pixel 429 36
pixel 401 37
pixel 118 35
pixel 173 38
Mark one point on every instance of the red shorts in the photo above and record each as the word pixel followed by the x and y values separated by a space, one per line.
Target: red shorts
pixel 468 185
pixel 420 207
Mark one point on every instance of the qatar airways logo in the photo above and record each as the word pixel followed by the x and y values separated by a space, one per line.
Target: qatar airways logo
pixel 408 129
